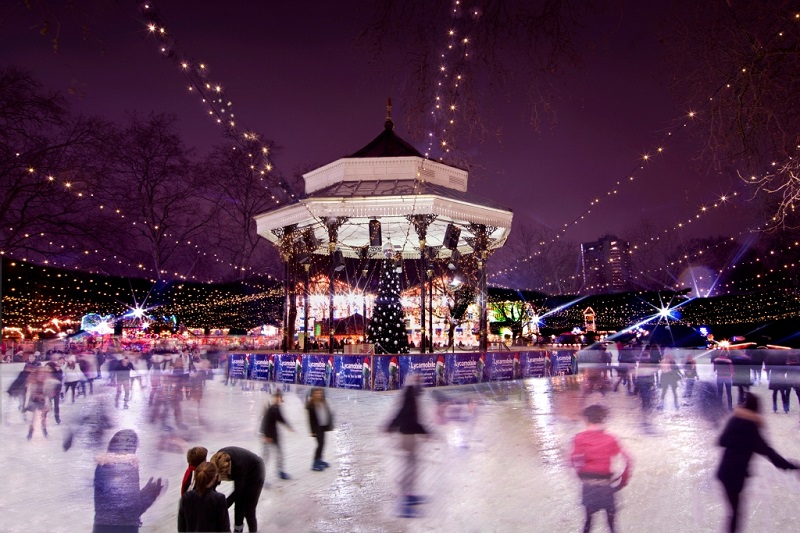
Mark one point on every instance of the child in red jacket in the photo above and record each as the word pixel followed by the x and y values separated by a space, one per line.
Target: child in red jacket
pixel 592 453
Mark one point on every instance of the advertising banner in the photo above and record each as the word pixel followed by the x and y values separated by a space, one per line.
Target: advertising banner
pixel 533 364
pixel 318 370
pixel 262 366
pixel 386 372
pixel 562 361
pixel 238 365
pixel 429 367
pixel 501 365
pixel 465 368
pixel 289 368
pixel 353 371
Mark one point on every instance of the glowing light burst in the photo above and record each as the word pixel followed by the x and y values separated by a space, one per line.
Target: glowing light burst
pixel 561 308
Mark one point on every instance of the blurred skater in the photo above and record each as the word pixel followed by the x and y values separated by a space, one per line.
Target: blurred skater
pixel 592 453
pixel 320 420
pixel 94 418
pixel 247 472
pixel 406 422
pixel 124 369
pixel 670 377
pixel 18 386
pixel 39 390
pixel 690 373
pixel 723 367
pixel 269 429
pixel 194 457
pixel 740 439
pixel 118 501
pixel 203 508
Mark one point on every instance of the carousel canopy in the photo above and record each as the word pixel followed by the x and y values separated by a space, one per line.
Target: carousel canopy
pixel 390 182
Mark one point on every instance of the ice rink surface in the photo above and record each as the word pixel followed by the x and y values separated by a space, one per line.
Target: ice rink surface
pixel 497 461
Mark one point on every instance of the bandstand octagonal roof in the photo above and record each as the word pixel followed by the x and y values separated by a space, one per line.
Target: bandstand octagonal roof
pixel 387 180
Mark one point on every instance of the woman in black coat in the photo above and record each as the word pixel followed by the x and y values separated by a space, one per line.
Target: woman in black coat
pixel 741 439
pixel 320 420
pixel 407 423
pixel 119 503
pixel 203 508
pixel 247 472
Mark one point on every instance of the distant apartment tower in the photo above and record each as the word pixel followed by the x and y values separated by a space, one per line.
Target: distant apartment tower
pixel 606 265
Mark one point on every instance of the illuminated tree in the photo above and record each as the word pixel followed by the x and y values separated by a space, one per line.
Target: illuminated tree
pixel 166 196
pixel 241 194
pixel 736 65
pixel 47 160
pixel 387 327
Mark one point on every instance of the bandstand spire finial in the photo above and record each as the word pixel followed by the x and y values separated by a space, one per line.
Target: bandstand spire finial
pixel 389 125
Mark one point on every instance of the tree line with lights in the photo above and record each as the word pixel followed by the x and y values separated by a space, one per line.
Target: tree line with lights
pixel 123 198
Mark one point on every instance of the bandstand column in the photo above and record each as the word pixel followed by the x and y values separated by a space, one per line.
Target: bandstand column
pixel 481 245
pixel 286 236
pixel 421 223
pixel 332 224
pixel 306 267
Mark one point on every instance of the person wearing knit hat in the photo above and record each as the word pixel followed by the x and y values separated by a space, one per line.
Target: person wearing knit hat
pixel 741 438
pixel 119 503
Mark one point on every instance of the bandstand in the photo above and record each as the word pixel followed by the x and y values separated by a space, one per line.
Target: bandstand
pixel 385 198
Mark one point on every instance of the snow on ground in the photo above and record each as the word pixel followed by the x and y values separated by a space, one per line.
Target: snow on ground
pixel 496 462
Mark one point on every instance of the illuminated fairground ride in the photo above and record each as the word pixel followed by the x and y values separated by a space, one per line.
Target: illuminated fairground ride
pixel 387 199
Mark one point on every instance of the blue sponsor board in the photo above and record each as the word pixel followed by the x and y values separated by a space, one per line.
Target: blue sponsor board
pixel 386 372
pixel 431 372
pixel 533 364
pixel 562 361
pixel 353 371
pixel 238 365
pixel 466 368
pixel 261 366
pixel 500 366
pixel 318 370
pixel 288 368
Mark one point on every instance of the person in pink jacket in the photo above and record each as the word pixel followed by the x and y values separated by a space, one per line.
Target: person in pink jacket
pixel 592 453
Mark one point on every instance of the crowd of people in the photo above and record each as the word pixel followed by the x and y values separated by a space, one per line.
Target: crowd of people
pixel 166 380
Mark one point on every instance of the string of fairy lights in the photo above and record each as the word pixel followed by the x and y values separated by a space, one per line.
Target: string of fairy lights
pixel 659 149
pixel 36 294
pixel 81 192
pixel 216 101
pixel 219 107
pixel 451 76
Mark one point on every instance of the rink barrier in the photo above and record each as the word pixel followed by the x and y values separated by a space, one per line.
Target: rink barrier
pixel 389 372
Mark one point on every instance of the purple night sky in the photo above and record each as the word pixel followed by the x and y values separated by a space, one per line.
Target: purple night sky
pixel 296 75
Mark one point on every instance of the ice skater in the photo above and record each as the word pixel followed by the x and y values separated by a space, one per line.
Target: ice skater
pixel 203 508
pixel 592 452
pixel 119 503
pixel 320 421
pixel 269 429
pixel 406 422
pixel 670 377
pixel 195 456
pixel 247 472
pixel 740 439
